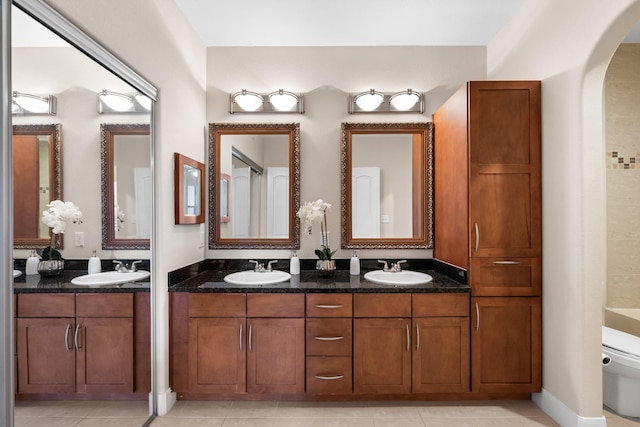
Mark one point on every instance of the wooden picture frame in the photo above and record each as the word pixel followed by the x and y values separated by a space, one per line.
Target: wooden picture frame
pixel 188 179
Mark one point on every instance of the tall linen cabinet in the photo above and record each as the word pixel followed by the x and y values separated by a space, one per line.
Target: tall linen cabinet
pixel 487 220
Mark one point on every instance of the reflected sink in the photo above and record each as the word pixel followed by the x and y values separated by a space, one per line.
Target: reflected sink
pixel 16 273
pixel 109 278
pixel 252 278
pixel 400 278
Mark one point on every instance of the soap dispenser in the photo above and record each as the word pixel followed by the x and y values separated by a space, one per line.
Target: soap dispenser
pixel 354 267
pixel 32 264
pixel 94 264
pixel 294 264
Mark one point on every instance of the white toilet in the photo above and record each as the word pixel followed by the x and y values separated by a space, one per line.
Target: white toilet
pixel 621 373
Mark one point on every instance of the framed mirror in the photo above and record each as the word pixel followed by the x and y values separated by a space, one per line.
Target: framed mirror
pixel 126 186
pixel 188 176
pixel 254 185
pixel 37 180
pixel 387 185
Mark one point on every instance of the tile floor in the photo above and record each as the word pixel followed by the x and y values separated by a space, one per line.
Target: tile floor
pixel 294 414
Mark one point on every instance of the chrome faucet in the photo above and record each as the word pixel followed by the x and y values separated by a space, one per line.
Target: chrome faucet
pixel 133 267
pixel 395 266
pixel 258 266
pixel 122 268
pixel 269 268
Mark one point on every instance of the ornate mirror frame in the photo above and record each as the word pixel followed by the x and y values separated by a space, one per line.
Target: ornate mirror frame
pixel 216 132
pixel 54 132
pixel 422 196
pixel 107 134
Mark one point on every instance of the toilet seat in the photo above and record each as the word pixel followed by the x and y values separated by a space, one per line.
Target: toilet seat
pixel 621 342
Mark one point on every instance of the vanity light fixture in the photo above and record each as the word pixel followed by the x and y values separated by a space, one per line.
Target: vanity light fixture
pixel 369 101
pixel 373 101
pixel 279 101
pixel 123 103
pixel 26 104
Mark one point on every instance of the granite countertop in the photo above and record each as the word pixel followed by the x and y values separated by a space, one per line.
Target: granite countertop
pixel 309 281
pixel 62 284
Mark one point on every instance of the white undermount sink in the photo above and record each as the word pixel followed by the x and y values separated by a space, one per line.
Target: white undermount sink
pixel 109 278
pixel 16 273
pixel 253 278
pixel 399 278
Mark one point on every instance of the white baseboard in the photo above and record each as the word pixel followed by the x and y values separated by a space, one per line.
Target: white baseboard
pixel 562 414
pixel 166 401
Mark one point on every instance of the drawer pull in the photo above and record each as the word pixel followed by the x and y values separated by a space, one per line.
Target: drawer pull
pixel 506 262
pixel 329 377
pixel 329 338
pixel 329 306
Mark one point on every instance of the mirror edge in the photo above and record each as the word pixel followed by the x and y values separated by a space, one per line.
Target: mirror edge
pixel 215 131
pixel 55 150
pixel 347 242
pixel 107 131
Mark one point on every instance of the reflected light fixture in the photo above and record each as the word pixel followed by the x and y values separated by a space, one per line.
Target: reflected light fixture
pixel 279 101
pixel 25 104
pixel 373 101
pixel 124 103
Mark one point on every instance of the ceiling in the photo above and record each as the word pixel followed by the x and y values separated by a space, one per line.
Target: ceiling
pixel 348 22
pixel 329 23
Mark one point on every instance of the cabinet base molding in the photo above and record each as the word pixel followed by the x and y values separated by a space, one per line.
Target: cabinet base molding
pixel 82 396
pixel 435 397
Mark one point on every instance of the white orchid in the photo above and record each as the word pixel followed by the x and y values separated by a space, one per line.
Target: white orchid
pixel 311 212
pixel 58 215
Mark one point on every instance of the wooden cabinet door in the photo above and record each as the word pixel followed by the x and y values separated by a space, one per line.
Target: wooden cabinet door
pixel 217 355
pixel 504 179
pixel 275 359
pixel 506 341
pixel 46 357
pixel 104 355
pixel 441 355
pixel 382 355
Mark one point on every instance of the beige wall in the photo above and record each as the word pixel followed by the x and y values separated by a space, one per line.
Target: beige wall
pixel 567 45
pixel 326 75
pixel 622 128
pixel 155 40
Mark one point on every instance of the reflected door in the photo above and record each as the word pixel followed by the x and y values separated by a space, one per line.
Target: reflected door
pixel 278 202
pixel 241 202
pixel 365 202
pixel 26 184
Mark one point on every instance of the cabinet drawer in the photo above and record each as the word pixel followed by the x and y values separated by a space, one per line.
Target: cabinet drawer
pixel 275 305
pixel 46 305
pixel 329 375
pixel 382 305
pixel 329 337
pixel 217 305
pixel 440 305
pixel 104 305
pixel 329 305
pixel 505 276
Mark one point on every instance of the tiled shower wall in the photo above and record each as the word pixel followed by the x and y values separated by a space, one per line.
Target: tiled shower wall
pixel 622 133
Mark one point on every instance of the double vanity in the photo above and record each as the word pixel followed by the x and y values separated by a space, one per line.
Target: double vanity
pixel 311 337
